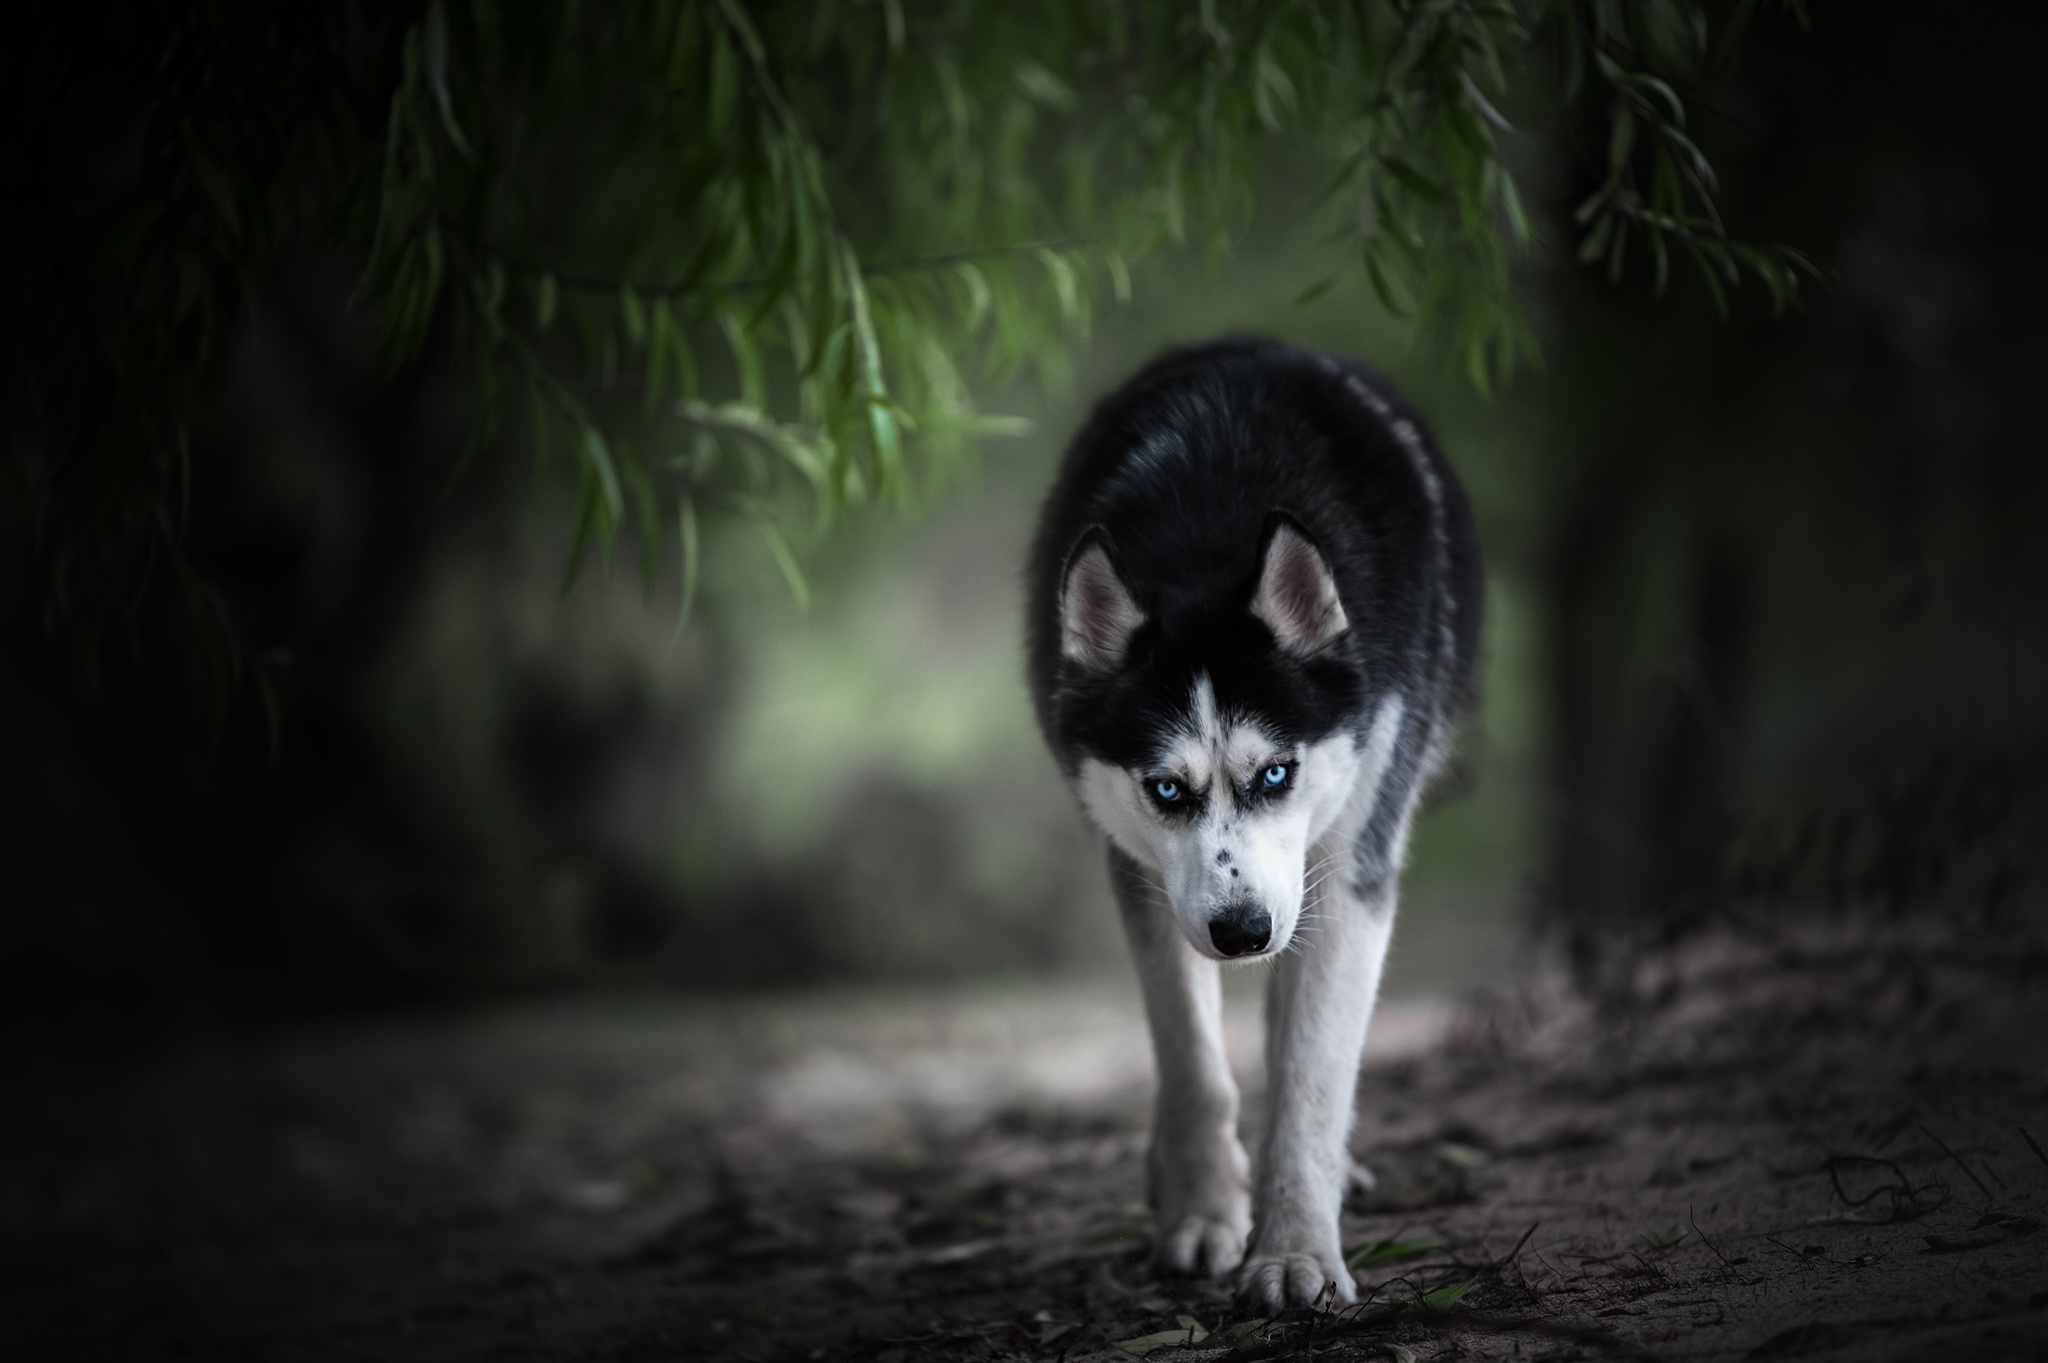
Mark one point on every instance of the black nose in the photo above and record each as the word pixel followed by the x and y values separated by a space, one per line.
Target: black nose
pixel 1241 929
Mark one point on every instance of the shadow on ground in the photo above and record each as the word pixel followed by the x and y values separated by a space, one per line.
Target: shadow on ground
pixel 1801 1143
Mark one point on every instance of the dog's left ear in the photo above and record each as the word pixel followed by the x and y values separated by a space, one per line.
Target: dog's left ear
pixel 1097 613
pixel 1297 596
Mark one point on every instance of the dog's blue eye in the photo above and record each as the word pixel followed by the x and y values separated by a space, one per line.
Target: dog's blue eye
pixel 1276 775
pixel 1169 791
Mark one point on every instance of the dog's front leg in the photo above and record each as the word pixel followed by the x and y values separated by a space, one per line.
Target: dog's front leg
pixel 1322 996
pixel 1198 1169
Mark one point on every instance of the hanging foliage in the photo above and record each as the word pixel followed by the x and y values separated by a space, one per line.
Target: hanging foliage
pixel 753 258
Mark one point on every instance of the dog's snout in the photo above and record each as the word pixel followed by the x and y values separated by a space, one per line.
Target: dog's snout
pixel 1241 929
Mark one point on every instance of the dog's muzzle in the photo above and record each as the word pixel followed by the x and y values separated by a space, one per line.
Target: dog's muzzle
pixel 1241 929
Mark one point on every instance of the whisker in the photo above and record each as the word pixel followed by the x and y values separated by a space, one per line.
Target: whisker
pixel 1305 928
pixel 1323 869
pixel 1318 883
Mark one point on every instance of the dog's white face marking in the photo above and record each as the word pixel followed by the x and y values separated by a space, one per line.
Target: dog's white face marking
pixel 1225 815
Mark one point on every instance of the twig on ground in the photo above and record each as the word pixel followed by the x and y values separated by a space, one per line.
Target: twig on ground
pixel 1710 1244
pixel 1510 1257
pixel 1903 1190
pixel 1648 1267
pixel 1909 1202
pixel 1772 1239
pixel 1960 1165
pixel 2034 1145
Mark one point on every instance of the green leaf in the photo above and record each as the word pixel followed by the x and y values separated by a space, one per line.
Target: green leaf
pixel 1314 291
pixel 1466 1156
pixel 1642 80
pixel 1446 1297
pixel 804 450
pixel 1710 273
pixel 598 451
pixel 881 418
pixel 1621 140
pixel 1695 161
pixel 1664 1237
pixel 662 336
pixel 1382 287
pixel 722 92
pixel 1388 1252
pixel 1595 244
pixel 1477 368
pixel 1043 86
pixel 634 313
pixel 792 572
pixel 483 426
pixel 647 512
pixel 979 300
pixel 537 404
pixel 1480 102
pixel 1617 254
pixel 1271 90
pixel 544 301
pixel 746 358
pixel 1415 181
pixel 437 75
pixel 1518 214
pixel 579 542
pixel 744 28
pixel 686 531
pixel 1119 277
pixel 997 425
pixel 1064 287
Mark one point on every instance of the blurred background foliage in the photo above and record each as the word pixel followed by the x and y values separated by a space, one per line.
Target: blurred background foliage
pixel 334 336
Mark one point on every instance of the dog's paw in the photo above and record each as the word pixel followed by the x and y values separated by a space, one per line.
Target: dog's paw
pixel 1203 1195
pixel 1297 1260
pixel 1205 1219
pixel 1212 1244
pixel 1274 1282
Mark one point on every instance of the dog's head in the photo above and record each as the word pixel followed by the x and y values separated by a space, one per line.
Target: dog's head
pixel 1215 742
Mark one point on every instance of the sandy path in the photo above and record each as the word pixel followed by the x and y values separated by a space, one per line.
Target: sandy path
pixel 1786 1145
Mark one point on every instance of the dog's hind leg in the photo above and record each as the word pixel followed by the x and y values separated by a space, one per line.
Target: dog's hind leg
pixel 1199 1173
pixel 1322 996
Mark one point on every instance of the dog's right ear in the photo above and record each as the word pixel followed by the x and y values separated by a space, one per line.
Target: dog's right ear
pixel 1097 614
pixel 1297 595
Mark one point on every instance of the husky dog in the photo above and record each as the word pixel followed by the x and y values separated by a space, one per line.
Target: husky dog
pixel 1255 598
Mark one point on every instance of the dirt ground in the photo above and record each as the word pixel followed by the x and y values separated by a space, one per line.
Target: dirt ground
pixel 1801 1144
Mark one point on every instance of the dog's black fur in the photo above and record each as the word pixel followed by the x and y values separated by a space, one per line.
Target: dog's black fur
pixel 1185 472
